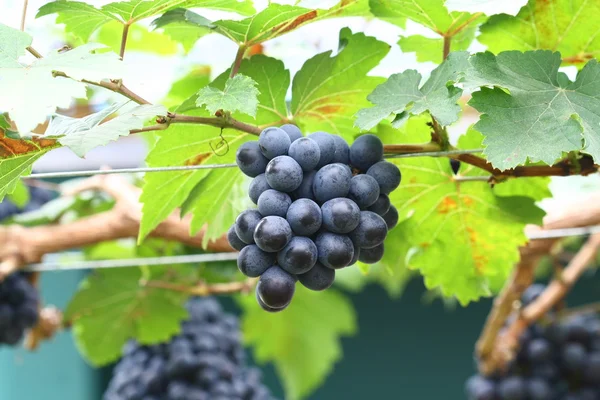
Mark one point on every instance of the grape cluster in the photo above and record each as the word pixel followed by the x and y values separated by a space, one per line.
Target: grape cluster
pixel 205 362
pixel 321 206
pixel 19 300
pixel 558 359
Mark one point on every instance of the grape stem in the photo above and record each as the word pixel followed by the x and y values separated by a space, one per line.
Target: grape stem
pixel 205 289
pixel 49 323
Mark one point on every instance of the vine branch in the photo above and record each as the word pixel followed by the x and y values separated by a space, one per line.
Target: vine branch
pixel 239 56
pixel 124 40
pixel 24 14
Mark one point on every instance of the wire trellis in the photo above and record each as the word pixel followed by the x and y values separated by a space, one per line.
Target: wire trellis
pixel 218 257
pixel 76 174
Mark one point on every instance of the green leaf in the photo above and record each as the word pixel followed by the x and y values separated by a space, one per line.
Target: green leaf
pixel 302 360
pixel 12 46
pixel 277 19
pixel 30 93
pixel 327 90
pixel 488 7
pixel 535 187
pixel 80 19
pixel 20 196
pixel 240 94
pixel 558 25
pixel 428 49
pixel 48 213
pixel 534 112
pixel 83 134
pixel 430 13
pixel 16 158
pixel 184 26
pixel 139 39
pixel 437 95
pixel 113 306
pixel 463 238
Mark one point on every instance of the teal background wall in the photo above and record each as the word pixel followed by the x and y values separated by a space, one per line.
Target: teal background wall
pixel 405 349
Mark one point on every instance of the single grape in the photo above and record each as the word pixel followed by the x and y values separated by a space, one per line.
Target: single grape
pixel 272 234
pixel 331 181
pixel 391 217
pixel 250 159
pixel 370 232
pixel 245 225
pixel 335 251
pixel 366 151
pixel 539 351
pixel 258 185
pixel 454 165
pixel 318 277
pixel 547 371
pixel 355 255
pixel 364 190
pixel 252 261
pixel 304 217
pixel 298 256
pixel 340 215
pixel 293 131
pixel 574 357
pixel 326 147
pixel 576 329
pixel 372 255
pixel 306 152
pixel 234 240
pixel 305 190
pixel 264 306
pixel 274 142
pixel 386 174
pixel 273 202
pixel 532 293
pixel 342 151
pixel 480 388
pixel 512 388
pixel 284 174
pixel 276 287
pixel 539 389
pixel 381 205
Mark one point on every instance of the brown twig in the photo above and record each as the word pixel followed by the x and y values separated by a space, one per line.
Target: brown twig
pixel 24 14
pixel 220 122
pixel 49 323
pixel 205 289
pixel 447 43
pixel 239 56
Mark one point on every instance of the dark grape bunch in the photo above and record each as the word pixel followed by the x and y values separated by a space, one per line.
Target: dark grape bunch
pixel 19 300
pixel 559 359
pixel 321 206
pixel 205 362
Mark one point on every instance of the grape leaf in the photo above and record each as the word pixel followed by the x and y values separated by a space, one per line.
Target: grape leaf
pixel 20 196
pixel 16 158
pixel 542 115
pixel 12 46
pixel 184 26
pixel 431 49
pixel 82 19
pixel 31 93
pixel 461 223
pixel 327 90
pixel 187 86
pixel 83 134
pixel 488 7
pixel 113 306
pixel 302 360
pixel 437 95
pixel 558 25
pixel 430 13
pixel 240 94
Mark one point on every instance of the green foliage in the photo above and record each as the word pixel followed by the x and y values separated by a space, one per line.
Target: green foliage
pixel 113 306
pixel 184 26
pixel 240 94
pixel 328 90
pixel 437 96
pixel 558 25
pixel 20 196
pixel 139 39
pixel 302 358
pixel 488 7
pixel 560 115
